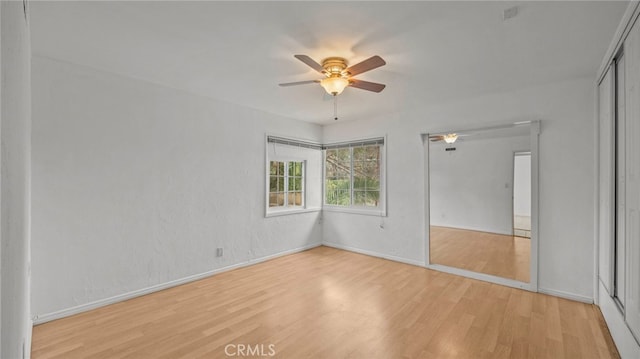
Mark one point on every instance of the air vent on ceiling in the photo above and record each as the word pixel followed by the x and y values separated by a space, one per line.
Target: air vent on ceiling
pixel 509 13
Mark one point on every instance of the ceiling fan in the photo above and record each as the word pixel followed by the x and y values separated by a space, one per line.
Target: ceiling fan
pixel 338 75
pixel 448 138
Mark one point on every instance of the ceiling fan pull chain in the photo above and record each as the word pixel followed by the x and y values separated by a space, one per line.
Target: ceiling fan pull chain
pixel 335 107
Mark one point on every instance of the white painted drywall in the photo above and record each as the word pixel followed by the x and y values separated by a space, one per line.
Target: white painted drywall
pixel 136 184
pixel 566 165
pixel 472 187
pixel 522 185
pixel 15 138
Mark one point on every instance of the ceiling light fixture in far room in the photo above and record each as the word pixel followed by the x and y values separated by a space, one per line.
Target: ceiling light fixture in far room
pixel 450 138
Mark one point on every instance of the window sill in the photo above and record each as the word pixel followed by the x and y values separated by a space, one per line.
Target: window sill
pixel 377 212
pixel 287 212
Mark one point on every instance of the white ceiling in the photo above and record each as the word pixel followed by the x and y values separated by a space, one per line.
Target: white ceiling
pixel 239 51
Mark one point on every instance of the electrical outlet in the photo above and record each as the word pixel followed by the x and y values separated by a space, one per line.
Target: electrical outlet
pixel 219 252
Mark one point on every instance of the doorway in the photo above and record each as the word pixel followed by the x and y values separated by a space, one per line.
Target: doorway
pixel 522 194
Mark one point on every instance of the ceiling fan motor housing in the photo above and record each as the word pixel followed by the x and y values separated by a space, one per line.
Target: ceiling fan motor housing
pixel 334 66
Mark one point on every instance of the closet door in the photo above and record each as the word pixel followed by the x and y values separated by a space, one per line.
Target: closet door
pixel 606 178
pixel 632 85
pixel 619 246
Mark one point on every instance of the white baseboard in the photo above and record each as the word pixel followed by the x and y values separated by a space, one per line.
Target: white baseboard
pixel 483 277
pixel 473 229
pixel 621 334
pixel 374 254
pixel 566 295
pixel 43 318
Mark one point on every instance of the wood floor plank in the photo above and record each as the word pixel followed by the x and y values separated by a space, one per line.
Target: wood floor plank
pixel 328 303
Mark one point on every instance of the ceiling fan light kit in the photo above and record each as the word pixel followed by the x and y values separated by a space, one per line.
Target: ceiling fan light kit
pixel 338 76
pixel 450 138
pixel 334 85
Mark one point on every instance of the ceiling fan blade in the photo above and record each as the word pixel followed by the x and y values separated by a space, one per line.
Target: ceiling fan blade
pixel 366 85
pixel 299 83
pixel 436 138
pixel 310 62
pixel 366 65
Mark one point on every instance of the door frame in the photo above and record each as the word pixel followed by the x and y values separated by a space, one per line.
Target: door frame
pixel 533 268
pixel 513 188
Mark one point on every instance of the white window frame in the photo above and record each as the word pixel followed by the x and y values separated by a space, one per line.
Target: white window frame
pixel 286 209
pixel 381 209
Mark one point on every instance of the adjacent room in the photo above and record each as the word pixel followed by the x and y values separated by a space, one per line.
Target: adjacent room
pixel 301 179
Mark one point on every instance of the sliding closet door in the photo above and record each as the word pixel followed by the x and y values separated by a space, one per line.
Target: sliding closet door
pixel 619 245
pixel 606 178
pixel 632 59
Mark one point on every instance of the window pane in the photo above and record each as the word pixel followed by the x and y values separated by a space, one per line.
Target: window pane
pixel 295 198
pixel 366 172
pixel 338 192
pixel 338 164
pixel 273 184
pixel 276 199
pixel 280 184
pixel 372 198
pixel 273 168
pixel 295 184
pixel 298 169
pixel 366 198
pixel 357 166
pixel 281 169
pixel 292 169
pixel 338 176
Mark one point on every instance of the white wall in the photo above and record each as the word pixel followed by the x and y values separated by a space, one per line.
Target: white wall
pixel 566 169
pixel 136 185
pixel 15 179
pixel 522 186
pixel 472 187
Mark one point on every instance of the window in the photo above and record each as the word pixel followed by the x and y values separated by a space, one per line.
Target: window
pixel 353 175
pixel 286 184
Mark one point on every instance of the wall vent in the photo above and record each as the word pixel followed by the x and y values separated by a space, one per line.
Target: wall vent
pixel 509 13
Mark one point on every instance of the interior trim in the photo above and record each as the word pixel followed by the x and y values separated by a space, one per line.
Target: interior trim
pixel 534 133
pixel 412 262
pixel 566 295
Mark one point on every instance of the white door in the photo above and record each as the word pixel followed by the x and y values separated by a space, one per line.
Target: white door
pixel 632 114
pixel 605 180
pixel 619 244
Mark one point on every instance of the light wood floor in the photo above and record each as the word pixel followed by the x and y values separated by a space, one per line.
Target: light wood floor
pixel 489 253
pixel 328 303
